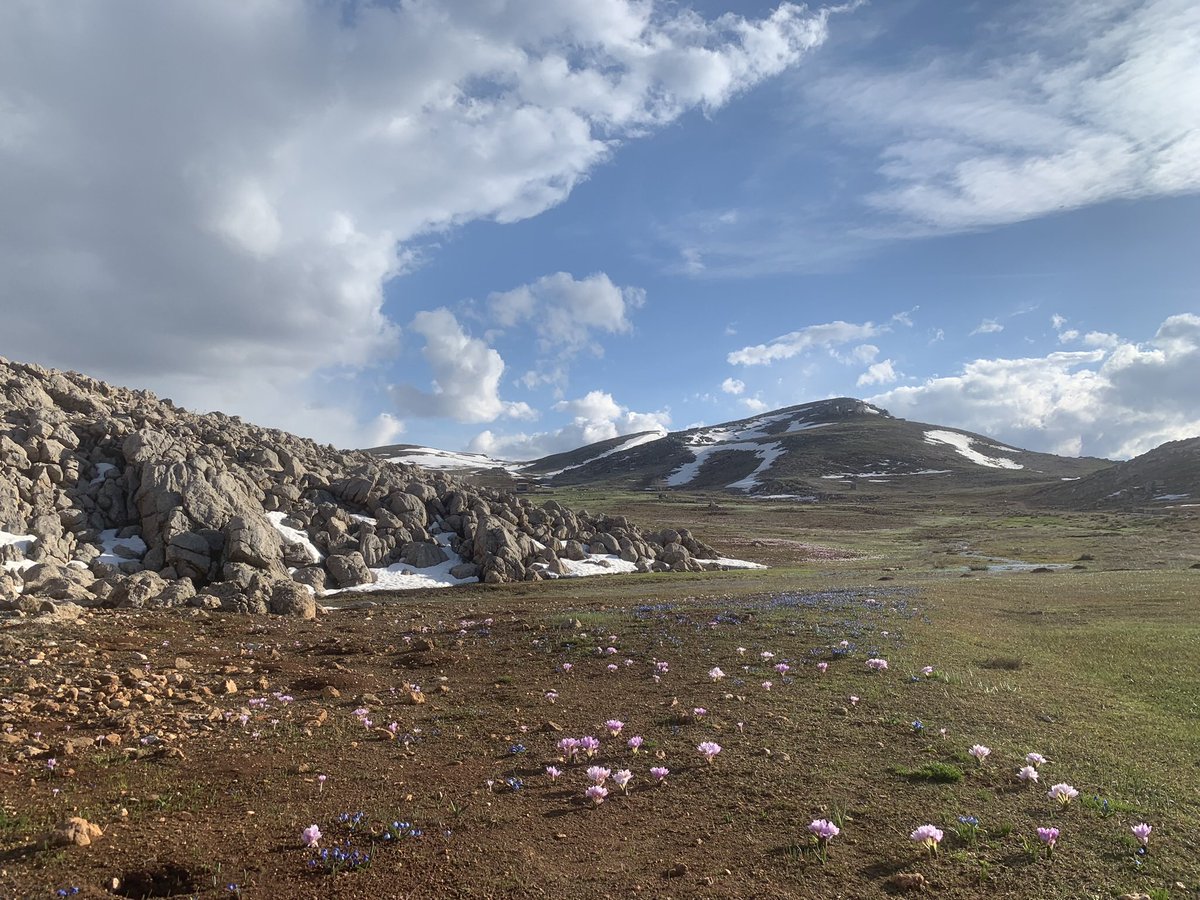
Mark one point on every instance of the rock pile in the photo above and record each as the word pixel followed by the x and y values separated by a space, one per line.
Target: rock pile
pixel 115 498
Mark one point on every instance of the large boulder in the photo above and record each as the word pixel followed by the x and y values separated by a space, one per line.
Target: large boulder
pixel 291 599
pixel 422 554
pixel 349 569
pixel 252 540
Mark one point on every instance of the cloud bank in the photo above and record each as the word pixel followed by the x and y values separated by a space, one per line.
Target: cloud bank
pixel 1116 400
pixel 208 197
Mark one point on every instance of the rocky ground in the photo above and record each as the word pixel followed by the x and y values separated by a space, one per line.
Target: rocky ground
pixel 112 497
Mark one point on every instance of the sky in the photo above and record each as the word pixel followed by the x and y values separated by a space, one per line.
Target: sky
pixel 518 227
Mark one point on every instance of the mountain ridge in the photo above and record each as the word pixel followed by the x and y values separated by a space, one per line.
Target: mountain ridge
pixel 797 448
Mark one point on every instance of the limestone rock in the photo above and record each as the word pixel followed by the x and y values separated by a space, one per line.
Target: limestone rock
pixel 75 831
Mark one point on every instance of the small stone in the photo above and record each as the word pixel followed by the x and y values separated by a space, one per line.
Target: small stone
pixel 677 871
pixel 331 692
pixel 908 881
pixel 75 831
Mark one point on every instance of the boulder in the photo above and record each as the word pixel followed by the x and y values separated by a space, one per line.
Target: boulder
pixel 291 599
pixel 252 540
pixel 349 569
pixel 422 555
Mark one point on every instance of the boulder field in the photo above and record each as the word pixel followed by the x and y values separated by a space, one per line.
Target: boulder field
pixel 114 498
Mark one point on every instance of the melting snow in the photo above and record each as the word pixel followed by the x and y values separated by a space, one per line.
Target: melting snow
pixel 403 577
pixel 296 536
pixel 767 453
pixel 962 444
pixel 102 469
pixel 22 541
pixel 432 458
pixel 636 441
pixel 1172 497
pixel 109 542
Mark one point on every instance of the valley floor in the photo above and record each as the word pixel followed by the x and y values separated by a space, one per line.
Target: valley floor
pixel 416 733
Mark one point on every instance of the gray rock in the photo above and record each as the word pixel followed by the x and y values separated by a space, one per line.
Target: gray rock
pixel 252 540
pixel 349 569
pixel 422 555
pixel 291 599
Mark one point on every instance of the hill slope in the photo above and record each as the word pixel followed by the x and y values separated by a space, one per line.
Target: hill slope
pixel 803 446
pixel 1165 475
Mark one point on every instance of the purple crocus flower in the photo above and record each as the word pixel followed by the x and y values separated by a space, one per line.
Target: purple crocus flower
pixel 659 774
pixel 634 743
pixel 310 836
pixel 1141 831
pixel 709 749
pixel 823 829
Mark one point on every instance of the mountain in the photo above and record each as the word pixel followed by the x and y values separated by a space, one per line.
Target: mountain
pixel 1167 475
pixel 805 448
pixel 113 497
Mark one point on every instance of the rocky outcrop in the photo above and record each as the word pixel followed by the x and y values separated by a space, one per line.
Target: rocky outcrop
pixel 112 497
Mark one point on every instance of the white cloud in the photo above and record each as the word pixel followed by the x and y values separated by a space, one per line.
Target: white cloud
pixel 987 326
pixel 879 373
pixel 466 375
pixel 826 336
pixel 754 404
pixel 1114 401
pixel 1057 322
pixel 564 313
pixel 1088 102
pixel 733 386
pixel 168 220
pixel 595 417
pixel 939 334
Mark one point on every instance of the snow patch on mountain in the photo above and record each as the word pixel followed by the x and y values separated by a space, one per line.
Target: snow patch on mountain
pixel 962 445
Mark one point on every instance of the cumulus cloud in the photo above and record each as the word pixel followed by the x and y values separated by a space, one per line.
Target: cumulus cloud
pixel 597 416
pixel 755 404
pixel 1114 401
pixel 880 373
pixel 827 336
pixel 987 326
pixel 564 313
pixel 466 375
pixel 733 386
pixel 1089 102
pixel 218 227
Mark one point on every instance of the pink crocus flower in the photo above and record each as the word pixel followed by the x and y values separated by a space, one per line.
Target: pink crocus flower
pixel 551 696
pixel 634 743
pixel 569 747
pixel 596 793
pixel 709 749
pixel 554 772
pixel 782 668
pixel 567 667
pixel 1141 831
pixel 823 829
pixel 611 651
pixel 659 774
pixel 843 644
pixel 822 667
pixel 1062 793
pixel 614 726
pixel 310 836
pixel 928 836
pixel 598 774
pixel 927 671
pixel 854 700
pixel 715 673
pixel 589 745
pixel 612 667
pixel 876 664
pixel 621 779
pixel 980 752
pixel 699 712
pixel 1028 774
pixel 661 668
pixel 321 782
pixel 767 655
pixel 741 651
pixel 1048 836
pixel 1034 759
pixel 767 685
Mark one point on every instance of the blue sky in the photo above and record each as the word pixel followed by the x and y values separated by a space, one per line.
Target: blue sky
pixel 516 228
